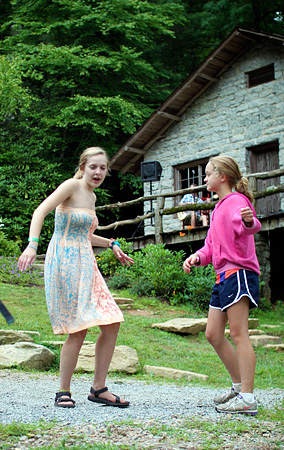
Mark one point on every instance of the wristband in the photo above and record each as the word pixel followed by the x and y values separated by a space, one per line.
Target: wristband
pixel 114 243
pixel 33 246
pixel 33 239
pixel 198 259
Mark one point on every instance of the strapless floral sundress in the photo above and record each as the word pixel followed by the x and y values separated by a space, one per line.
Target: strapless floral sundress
pixel 76 293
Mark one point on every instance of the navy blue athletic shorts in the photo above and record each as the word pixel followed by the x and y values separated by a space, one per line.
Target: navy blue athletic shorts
pixel 230 291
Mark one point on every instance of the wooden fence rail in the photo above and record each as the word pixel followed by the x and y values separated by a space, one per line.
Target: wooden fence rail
pixel 160 210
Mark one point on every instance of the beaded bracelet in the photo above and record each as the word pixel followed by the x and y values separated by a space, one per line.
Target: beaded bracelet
pixel 114 243
pixel 33 239
pixel 33 246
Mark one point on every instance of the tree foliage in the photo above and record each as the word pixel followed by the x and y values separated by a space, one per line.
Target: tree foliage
pixel 89 72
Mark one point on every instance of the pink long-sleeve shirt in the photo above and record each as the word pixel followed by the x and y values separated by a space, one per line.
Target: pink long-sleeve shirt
pixel 229 243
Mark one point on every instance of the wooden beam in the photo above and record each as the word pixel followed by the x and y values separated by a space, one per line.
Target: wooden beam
pixel 169 116
pixel 141 151
pixel 130 163
pixel 208 77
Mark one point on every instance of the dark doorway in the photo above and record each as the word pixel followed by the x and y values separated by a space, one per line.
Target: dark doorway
pixel 264 158
pixel 276 262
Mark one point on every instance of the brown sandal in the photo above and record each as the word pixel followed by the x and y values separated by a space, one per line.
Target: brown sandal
pixel 96 399
pixel 59 400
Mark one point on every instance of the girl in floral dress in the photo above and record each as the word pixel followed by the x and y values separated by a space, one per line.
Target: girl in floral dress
pixel 76 293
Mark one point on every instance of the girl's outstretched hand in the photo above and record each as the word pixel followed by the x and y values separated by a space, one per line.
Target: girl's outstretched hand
pixel 27 258
pixel 189 262
pixel 122 257
pixel 247 214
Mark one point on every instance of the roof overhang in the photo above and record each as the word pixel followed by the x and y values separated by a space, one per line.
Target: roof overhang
pixel 130 155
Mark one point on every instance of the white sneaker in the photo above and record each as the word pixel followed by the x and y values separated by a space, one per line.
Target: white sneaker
pixel 238 405
pixel 223 398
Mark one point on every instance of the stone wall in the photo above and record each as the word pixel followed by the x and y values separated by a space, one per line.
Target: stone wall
pixel 228 118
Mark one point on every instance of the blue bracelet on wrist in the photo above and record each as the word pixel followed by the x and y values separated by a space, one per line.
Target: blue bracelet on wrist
pixel 114 243
pixel 33 246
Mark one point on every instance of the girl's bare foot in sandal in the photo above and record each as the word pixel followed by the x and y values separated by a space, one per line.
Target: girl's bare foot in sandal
pixel 64 400
pixel 105 397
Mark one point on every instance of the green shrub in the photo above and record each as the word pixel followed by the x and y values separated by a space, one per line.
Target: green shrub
pixel 10 273
pixel 200 283
pixel 8 248
pixel 156 271
pixel 108 263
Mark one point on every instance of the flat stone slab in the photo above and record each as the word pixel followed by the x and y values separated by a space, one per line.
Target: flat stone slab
pixel 27 355
pixel 13 336
pixel 265 339
pixel 182 325
pixel 251 332
pixel 123 301
pixel 253 323
pixel 269 326
pixel 60 343
pixel 31 333
pixel 125 359
pixel 168 372
pixel 277 347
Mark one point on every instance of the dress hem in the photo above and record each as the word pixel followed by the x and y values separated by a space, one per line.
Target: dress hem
pixel 87 326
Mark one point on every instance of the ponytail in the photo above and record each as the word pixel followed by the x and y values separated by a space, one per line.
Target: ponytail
pixel 78 173
pixel 229 167
pixel 242 188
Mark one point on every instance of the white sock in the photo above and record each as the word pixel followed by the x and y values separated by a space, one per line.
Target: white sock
pixel 237 387
pixel 248 397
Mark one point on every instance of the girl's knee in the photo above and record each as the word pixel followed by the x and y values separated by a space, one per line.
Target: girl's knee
pixel 110 329
pixel 239 336
pixel 212 337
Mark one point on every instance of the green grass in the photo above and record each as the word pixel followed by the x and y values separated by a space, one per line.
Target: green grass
pixel 193 353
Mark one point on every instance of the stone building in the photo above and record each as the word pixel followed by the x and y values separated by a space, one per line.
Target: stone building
pixel 233 104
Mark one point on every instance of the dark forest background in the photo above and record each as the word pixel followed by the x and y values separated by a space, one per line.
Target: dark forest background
pixel 79 73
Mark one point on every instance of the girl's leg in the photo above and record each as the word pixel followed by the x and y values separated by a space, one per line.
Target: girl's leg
pixel 238 321
pixel 215 329
pixel 104 350
pixel 68 360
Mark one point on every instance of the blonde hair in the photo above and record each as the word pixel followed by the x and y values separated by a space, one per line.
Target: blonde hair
pixel 87 153
pixel 229 167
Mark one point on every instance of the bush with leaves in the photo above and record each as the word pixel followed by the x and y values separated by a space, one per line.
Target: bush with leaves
pixel 7 247
pixel 108 263
pixel 199 288
pixel 10 273
pixel 156 271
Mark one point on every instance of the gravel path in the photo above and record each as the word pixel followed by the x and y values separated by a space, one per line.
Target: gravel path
pixel 27 398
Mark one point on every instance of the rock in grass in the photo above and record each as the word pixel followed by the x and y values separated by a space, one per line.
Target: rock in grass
pixel 253 323
pixel 265 339
pixel 277 347
pixel 182 325
pixel 26 355
pixel 168 372
pixel 13 336
pixel 124 359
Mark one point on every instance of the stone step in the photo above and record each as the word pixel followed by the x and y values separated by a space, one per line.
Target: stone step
pixel 265 339
pixel 168 372
pixel 182 325
pixel 123 301
pixel 277 347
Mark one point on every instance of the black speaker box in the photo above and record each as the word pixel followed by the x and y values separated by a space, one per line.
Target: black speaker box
pixel 151 171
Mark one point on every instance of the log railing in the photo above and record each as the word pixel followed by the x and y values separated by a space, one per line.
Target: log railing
pixel 160 210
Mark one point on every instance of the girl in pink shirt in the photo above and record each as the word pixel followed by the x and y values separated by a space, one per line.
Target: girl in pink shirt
pixel 230 247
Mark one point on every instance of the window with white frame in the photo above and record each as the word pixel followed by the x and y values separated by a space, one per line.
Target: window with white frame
pixel 190 173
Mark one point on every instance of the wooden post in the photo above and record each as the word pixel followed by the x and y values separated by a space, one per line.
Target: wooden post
pixel 253 187
pixel 159 220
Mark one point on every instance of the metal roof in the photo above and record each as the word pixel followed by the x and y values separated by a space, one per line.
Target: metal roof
pixel 130 155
